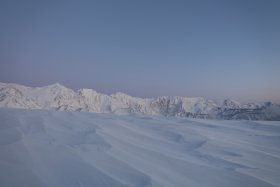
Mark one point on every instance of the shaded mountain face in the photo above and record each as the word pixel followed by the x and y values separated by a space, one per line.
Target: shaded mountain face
pixel 59 97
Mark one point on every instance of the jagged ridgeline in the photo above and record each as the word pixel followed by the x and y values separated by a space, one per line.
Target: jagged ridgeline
pixel 59 97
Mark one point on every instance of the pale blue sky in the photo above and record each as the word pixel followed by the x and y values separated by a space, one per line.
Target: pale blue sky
pixel 214 49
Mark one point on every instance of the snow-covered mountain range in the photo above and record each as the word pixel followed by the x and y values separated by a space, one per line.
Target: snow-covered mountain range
pixel 61 98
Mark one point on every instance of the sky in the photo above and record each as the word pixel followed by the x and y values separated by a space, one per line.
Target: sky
pixel 217 49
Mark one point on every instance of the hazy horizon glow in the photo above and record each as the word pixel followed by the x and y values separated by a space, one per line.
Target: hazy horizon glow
pixel 212 49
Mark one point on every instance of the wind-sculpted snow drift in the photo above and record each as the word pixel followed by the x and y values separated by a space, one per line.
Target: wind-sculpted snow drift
pixel 61 98
pixel 47 148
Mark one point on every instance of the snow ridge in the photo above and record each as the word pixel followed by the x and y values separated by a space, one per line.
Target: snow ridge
pixel 61 98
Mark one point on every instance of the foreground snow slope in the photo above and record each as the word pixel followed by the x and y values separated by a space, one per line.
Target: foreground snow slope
pixel 56 149
pixel 59 97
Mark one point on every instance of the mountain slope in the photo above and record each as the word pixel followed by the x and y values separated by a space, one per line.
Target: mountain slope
pixel 59 97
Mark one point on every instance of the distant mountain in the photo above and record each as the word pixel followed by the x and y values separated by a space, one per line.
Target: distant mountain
pixel 59 97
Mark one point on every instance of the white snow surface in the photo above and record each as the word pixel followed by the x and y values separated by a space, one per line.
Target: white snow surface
pixel 48 148
pixel 59 97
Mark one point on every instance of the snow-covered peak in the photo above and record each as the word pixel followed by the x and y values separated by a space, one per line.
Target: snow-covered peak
pixel 87 92
pixel 59 97
pixel 55 88
pixel 229 103
pixel 13 97
pixel 57 85
pixel 11 91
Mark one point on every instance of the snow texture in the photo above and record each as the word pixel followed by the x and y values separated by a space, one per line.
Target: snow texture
pixel 47 148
